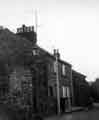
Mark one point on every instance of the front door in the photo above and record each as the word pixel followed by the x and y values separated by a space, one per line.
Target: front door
pixel 66 98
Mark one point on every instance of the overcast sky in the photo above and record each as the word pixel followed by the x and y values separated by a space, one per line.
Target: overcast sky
pixel 72 26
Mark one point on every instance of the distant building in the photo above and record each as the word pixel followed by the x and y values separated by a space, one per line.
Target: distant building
pixel 81 90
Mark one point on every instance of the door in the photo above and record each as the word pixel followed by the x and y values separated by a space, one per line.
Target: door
pixel 66 98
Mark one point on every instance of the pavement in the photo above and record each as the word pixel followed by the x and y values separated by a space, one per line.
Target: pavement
pixel 75 109
pixel 57 117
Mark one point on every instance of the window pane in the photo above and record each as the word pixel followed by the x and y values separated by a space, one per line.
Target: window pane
pixel 63 69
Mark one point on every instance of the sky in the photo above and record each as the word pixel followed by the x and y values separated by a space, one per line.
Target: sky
pixel 72 26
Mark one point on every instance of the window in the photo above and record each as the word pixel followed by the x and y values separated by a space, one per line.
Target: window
pixel 3 91
pixel 63 69
pixel 54 67
pixel 65 91
pixel 49 67
pixel 50 91
pixel 35 52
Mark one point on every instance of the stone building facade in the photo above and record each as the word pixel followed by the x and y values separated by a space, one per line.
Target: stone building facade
pixel 64 73
pixel 31 81
pixel 64 77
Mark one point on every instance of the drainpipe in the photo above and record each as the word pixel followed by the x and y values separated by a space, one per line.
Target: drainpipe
pixel 72 94
pixel 56 53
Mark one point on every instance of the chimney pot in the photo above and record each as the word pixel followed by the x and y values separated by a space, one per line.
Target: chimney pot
pixel 56 53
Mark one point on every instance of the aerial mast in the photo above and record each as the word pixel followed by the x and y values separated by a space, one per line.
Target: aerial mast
pixel 36 21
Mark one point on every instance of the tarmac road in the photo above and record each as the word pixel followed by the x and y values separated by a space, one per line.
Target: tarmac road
pixel 93 114
pixel 82 115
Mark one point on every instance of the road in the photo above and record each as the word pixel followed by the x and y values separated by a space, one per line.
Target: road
pixel 84 115
pixel 7 114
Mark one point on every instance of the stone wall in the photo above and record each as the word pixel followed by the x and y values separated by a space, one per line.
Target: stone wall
pixel 20 86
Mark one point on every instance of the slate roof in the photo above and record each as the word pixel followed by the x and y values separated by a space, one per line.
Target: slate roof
pixel 78 73
pixel 52 56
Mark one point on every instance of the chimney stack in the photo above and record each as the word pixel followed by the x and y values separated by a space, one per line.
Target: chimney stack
pixel 28 33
